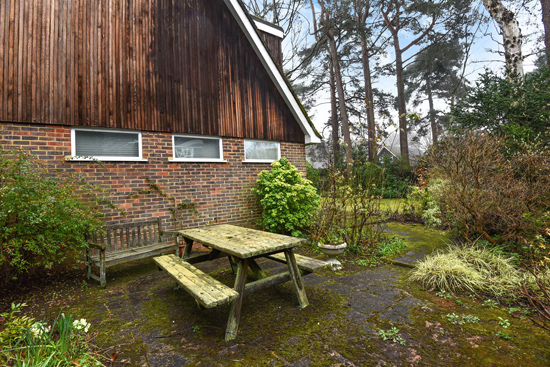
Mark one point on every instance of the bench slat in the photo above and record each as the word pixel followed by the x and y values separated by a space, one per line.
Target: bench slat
pixel 206 290
pixel 304 263
pixel 133 253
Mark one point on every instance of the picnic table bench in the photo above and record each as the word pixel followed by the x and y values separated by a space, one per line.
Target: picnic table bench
pixel 123 243
pixel 242 246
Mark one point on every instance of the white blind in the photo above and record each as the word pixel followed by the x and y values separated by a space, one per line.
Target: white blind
pixel 106 144
pixel 186 147
pixel 267 150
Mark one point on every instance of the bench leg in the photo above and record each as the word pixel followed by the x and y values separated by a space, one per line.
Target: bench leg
pixel 88 264
pixel 235 313
pixel 102 275
pixel 296 278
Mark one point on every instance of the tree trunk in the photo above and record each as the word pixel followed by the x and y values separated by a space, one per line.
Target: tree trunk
pixel 369 99
pixel 401 106
pixel 545 6
pixel 433 123
pixel 334 116
pixel 341 97
pixel 511 37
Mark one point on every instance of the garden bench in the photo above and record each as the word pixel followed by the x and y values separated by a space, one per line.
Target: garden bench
pixel 118 244
pixel 206 290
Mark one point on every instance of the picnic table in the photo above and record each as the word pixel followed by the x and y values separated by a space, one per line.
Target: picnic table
pixel 243 246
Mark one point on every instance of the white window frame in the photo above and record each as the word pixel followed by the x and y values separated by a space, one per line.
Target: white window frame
pixel 74 157
pixel 262 160
pixel 174 159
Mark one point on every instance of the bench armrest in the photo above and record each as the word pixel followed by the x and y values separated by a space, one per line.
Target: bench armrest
pixel 170 232
pixel 97 245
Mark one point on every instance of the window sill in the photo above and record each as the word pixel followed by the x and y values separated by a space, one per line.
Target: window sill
pixel 181 160
pixel 78 159
pixel 260 161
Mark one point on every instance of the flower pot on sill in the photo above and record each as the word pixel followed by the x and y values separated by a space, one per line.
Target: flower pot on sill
pixel 332 251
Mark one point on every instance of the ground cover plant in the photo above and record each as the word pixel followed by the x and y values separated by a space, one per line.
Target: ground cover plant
pixel 44 216
pixel 288 200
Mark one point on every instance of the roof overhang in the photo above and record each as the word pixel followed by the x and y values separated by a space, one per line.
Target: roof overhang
pixel 267 27
pixel 311 136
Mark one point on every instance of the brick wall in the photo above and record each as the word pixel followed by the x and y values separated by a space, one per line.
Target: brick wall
pixel 220 192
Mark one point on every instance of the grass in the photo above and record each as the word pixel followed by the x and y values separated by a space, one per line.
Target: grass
pixel 469 268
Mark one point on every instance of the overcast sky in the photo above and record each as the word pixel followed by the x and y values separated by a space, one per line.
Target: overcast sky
pixel 484 55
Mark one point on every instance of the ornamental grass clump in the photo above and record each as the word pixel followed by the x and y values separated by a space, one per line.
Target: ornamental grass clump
pixel 288 200
pixel 469 268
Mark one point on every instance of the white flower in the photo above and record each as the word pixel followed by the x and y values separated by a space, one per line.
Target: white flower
pixel 81 325
pixel 38 329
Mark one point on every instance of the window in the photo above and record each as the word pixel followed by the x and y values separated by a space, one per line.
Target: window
pixel 261 151
pixel 106 145
pixel 197 148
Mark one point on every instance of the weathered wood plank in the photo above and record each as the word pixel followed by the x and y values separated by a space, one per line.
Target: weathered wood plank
pixel 134 253
pixel 239 241
pixel 296 278
pixel 206 290
pixel 235 312
pixel 304 263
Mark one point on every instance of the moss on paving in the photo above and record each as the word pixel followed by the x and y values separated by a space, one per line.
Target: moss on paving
pixel 143 316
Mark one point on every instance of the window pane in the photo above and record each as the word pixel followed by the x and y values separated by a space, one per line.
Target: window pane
pixel 106 144
pixel 196 148
pixel 261 150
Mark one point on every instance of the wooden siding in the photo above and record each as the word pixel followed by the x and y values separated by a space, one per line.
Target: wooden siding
pixel 274 45
pixel 157 65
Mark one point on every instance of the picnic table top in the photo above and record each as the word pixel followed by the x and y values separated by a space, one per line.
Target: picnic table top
pixel 239 241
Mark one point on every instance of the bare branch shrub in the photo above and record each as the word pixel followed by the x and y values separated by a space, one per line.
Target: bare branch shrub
pixel 503 198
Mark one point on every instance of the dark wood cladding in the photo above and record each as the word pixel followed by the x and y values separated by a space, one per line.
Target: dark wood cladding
pixel 156 65
pixel 274 45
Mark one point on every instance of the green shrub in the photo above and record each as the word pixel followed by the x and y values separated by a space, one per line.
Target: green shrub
pixel 43 216
pixel 289 201
pixel 469 268
pixel 27 342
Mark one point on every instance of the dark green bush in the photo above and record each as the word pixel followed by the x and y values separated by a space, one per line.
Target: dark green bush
pixel 43 216
pixel 499 106
pixel 288 200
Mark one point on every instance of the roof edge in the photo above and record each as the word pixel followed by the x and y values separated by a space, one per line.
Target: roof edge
pixel 247 24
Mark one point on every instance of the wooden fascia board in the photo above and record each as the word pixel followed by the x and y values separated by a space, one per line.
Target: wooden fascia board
pixel 311 135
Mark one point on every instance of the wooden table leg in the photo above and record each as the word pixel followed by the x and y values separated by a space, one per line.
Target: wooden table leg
pixel 296 278
pixel 256 270
pixel 188 247
pixel 235 313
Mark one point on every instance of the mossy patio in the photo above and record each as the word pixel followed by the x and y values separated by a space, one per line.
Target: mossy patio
pixel 147 321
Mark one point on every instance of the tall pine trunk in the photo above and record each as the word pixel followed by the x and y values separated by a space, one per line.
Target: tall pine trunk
pixel 371 125
pixel 545 6
pixel 433 123
pixel 401 106
pixel 341 97
pixel 334 116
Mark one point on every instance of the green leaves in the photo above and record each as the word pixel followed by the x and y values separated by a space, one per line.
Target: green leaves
pixel 288 200
pixel 43 216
